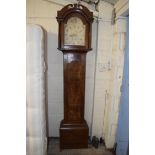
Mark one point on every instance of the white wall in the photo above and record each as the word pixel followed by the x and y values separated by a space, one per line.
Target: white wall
pixel 44 13
pixel 103 67
pixel 90 75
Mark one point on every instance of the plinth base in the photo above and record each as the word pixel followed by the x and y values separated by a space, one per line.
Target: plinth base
pixel 73 136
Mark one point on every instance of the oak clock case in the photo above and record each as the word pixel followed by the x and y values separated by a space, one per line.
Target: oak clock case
pixel 74 40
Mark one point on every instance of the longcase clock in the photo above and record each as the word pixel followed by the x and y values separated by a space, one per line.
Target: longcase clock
pixel 74 40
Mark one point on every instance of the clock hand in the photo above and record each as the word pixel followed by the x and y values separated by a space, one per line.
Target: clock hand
pixel 73 35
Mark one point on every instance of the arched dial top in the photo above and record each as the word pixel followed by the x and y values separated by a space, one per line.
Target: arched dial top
pixel 75 28
pixel 74 32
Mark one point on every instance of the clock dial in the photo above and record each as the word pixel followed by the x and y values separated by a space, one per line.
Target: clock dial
pixel 74 32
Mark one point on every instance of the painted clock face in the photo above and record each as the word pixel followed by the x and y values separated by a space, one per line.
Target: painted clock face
pixel 74 32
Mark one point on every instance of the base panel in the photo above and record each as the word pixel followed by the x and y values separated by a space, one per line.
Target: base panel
pixel 73 136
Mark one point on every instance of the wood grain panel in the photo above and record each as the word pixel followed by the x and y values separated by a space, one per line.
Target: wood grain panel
pixel 74 80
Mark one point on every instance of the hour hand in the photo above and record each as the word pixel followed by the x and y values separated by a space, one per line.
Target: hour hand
pixel 73 35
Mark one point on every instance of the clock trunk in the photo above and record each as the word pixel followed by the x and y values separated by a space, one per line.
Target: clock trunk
pixel 74 129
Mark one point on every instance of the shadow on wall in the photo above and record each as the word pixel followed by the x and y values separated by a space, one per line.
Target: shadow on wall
pixel 55 84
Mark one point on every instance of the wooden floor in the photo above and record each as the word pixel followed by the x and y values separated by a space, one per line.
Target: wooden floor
pixel 53 149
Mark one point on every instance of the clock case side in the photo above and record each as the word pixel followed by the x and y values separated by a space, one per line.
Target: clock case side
pixel 75 10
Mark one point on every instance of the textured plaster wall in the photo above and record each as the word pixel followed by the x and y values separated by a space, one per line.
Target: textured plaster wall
pixel 103 65
pixel 43 13
pixel 114 94
pixel 109 72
